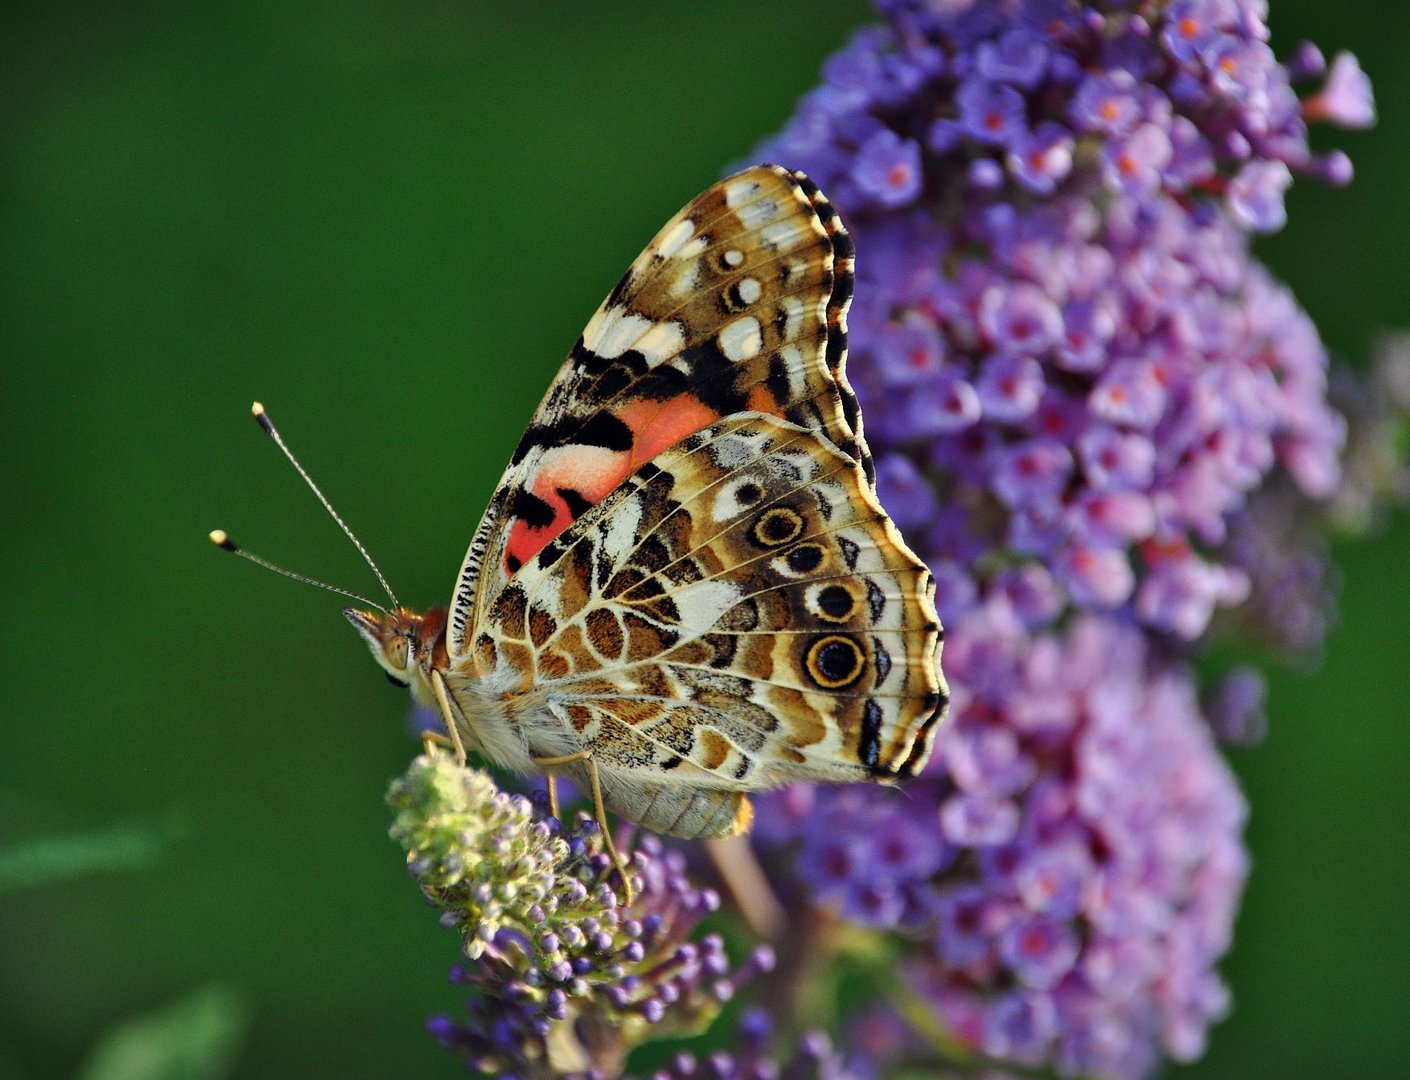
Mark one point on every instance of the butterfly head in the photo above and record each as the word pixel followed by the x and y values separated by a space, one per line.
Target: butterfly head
pixel 406 644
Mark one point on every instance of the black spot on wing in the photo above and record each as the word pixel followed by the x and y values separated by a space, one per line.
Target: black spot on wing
pixel 713 378
pixel 835 601
pixel 585 360
pixel 837 660
pixel 652 554
pixel 604 430
pixel 777 380
pixel 850 551
pixel 851 411
pixel 805 558
pixel 876 600
pixel 805 182
pixel 611 383
pixel 551 552
pixel 851 448
pixel 883 660
pixel 663 382
pixel 603 570
pixel 635 362
pixel 608 371
pixel 577 505
pixel 869 744
pixel 531 510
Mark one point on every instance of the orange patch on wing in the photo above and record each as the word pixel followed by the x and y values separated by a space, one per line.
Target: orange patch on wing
pixel 591 471
pixel 525 541
pixel 661 424
pixel 762 400
pixel 594 471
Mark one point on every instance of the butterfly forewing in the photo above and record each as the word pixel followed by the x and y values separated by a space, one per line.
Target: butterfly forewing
pixel 738 305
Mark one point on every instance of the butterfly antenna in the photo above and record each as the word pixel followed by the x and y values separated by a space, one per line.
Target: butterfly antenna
pixel 269 429
pixel 221 540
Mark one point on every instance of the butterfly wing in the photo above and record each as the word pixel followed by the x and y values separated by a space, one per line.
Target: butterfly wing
pixel 737 305
pixel 738 613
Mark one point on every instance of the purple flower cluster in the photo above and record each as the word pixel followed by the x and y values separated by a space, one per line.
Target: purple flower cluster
pixel 1071 862
pixel 1076 371
pixel 566 978
pixel 1092 411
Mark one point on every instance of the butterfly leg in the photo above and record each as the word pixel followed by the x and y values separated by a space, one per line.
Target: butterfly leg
pixel 599 811
pixel 448 712
pixel 553 796
pixel 434 740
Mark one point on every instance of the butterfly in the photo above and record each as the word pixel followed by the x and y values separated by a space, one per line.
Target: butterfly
pixel 684 588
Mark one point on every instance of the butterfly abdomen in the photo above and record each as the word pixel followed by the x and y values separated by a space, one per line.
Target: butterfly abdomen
pixel 688 813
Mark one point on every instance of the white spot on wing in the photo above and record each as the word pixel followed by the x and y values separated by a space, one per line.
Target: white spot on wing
pixel 614 331
pixel 733 258
pixel 687 280
pixel 675 239
pixel 741 192
pixel 737 449
pixel 792 309
pixel 573 465
pixel 749 290
pixel 782 235
pixel 620 535
pixel 792 358
pixel 702 604
pixel 662 341
pixel 754 214
pixel 741 339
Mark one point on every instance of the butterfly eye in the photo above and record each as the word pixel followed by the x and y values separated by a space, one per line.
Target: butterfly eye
pixel 399 683
pixel 397 650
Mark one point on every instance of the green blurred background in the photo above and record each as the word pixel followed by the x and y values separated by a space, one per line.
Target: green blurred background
pixel 388 221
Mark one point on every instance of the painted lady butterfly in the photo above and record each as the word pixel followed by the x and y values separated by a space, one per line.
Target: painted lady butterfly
pixel 684 588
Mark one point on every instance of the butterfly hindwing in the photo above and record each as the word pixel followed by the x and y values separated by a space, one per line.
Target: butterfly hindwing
pixel 737 613
pixel 738 305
